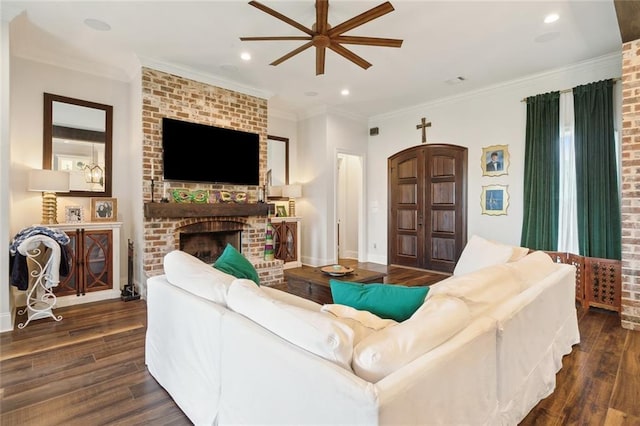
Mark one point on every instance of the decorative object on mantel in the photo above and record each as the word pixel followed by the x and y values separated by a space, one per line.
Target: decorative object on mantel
pixel 48 182
pixel 239 197
pixel 322 35
pixel 269 253
pixel 181 195
pixel 292 192
pixel 199 196
pixel 423 125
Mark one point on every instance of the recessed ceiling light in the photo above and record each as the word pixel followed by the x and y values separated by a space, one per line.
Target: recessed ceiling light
pixel 245 56
pixel 344 92
pixel 97 24
pixel 552 17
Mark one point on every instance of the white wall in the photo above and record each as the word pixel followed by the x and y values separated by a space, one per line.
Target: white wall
pixel 6 305
pixel 29 80
pixel 494 116
pixel 350 176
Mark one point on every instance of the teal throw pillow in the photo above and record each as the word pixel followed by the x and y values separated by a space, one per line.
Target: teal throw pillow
pixel 389 301
pixel 234 263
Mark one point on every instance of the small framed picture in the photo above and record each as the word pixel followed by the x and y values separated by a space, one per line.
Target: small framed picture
pixel 494 200
pixel 73 214
pixel 104 209
pixel 281 211
pixel 495 160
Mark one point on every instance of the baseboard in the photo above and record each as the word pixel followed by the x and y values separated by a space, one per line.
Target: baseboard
pixel 6 320
pixel 377 258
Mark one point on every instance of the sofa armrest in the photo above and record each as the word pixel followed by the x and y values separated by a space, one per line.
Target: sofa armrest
pixel 454 383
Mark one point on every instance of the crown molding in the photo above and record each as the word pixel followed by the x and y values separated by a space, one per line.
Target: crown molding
pixel 278 113
pixel 202 77
pixel 606 63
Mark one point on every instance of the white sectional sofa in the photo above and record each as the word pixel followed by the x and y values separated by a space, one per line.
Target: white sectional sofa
pixel 483 349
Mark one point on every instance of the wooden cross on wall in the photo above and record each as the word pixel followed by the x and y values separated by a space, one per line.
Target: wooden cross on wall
pixel 423 125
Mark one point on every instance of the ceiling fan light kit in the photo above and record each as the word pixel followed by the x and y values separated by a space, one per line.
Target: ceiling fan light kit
pixel 322 36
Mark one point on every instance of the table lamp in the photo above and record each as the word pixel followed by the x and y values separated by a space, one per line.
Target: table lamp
pixel 49 182
pixel 292 192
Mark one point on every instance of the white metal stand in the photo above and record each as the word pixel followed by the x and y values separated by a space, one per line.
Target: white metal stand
pixel 40 297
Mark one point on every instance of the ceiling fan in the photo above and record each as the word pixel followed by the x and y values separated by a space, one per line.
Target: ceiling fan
pixel 322 36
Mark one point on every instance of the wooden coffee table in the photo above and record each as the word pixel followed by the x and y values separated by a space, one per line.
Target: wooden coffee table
pixel 313 284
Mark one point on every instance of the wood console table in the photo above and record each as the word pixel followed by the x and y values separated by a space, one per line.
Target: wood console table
pixel 598 281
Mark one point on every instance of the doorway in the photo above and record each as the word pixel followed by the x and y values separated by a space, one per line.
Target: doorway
pixel 349 220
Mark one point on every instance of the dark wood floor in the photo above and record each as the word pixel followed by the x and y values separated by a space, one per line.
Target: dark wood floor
pixel 89 369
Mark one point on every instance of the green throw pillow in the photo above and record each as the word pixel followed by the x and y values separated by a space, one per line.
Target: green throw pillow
pixel 388 301
pixel 234 263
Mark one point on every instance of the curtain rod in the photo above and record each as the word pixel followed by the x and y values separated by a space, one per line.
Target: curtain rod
pixel 615 80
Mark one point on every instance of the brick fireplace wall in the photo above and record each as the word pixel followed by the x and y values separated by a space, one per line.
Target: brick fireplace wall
pixel 167 95
pixel 631 185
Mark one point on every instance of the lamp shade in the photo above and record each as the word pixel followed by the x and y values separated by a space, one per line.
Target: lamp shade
pixel 48 181
pixel 292 191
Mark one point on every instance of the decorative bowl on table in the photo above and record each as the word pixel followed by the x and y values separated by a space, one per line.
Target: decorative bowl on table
pixel 336 270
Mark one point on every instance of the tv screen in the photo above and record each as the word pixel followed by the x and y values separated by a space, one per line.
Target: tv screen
pixel 193 152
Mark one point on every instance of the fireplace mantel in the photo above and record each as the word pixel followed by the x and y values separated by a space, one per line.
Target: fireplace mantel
pixel 180 210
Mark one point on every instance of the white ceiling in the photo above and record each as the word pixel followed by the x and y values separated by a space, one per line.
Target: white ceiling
pixel 486 42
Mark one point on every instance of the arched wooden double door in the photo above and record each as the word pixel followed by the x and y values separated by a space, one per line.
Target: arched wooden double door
pixel 427 199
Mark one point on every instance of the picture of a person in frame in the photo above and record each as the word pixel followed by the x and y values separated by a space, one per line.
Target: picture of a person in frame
pixel 495 163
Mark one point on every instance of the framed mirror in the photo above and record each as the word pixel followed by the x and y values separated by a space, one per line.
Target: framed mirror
pixel 278 160
pixel 77 138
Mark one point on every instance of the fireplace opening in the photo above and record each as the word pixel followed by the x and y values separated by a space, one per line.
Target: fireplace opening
pixel 208 246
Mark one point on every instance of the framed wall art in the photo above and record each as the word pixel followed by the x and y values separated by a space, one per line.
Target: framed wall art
pixel 73 214
pixel 495 160
pixel 494 200
pixel 104 209
pixel 281 211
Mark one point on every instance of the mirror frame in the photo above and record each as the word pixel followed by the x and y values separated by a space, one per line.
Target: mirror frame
pixel 47 141
pixel 286 154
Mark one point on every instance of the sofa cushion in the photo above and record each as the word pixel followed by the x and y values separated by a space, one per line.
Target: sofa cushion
pixel 313 331
pixel 388 350
pixel 533 268
pixel 482 289
pixel 518 253
pixel 363 323
pixel 480 253
pixel 193 275
pixel 233 262
pixel 387 301
pixel 291 299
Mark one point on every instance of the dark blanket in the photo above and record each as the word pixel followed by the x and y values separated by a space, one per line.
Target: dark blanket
pixel 19 272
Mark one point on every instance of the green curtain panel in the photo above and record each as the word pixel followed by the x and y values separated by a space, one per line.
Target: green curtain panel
pixel 599 228
pixel 541 173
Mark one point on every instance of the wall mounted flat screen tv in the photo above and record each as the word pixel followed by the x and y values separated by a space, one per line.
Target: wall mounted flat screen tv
pixel 193 152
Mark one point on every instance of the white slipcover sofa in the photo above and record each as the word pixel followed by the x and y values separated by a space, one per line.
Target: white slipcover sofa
pixel 483 349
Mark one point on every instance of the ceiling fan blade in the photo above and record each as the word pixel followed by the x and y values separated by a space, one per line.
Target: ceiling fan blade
pixel 361 19
pixel 322 16
pixel 275 38
pixel 343 51
pixel 281 17
pixel 369 41
pixel 320 54
pixel 292 53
